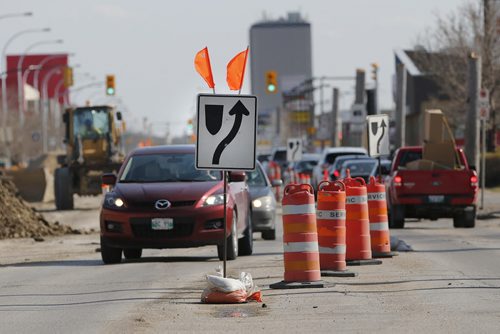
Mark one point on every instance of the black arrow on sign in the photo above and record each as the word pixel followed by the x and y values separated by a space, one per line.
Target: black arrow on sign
pixel 382 125
pixel 295 150
pixel 239 110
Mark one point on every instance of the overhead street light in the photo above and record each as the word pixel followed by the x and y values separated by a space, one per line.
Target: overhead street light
pixel 11 15
pixel 20 82
pixel 4 74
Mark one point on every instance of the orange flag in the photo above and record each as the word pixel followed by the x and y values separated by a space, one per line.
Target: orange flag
pixel 236 70
pixel 202 66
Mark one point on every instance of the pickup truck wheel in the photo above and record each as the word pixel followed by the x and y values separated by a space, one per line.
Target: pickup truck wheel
pixel 269 235
pixel 396 216
pixel 466 219
pixel 245 244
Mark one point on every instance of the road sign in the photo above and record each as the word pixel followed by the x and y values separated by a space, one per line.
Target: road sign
pixel 378 135
pixel 484 104
pixel 226 132
pixel 294 149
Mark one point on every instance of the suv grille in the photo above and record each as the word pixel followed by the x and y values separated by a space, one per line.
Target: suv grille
pixel 151 205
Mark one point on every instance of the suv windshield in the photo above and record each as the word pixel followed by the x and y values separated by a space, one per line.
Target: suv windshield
pixel 91 123
pixel 167 167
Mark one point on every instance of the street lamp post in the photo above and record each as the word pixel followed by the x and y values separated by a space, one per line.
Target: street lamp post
pixel 4 73
pixel 45 103
pixel 37 74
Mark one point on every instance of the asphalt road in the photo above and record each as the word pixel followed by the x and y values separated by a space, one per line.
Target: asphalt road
pixel 449 283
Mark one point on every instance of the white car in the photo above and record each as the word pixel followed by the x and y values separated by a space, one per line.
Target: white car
pixel 328 157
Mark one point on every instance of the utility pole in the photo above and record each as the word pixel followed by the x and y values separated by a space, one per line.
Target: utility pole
pixel 375 93
pixel 400 105
pixel 472 118
pixel 360 87
pixel 335 118
pixel 488 78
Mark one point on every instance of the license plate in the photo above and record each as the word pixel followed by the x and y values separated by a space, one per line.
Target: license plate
pixel 436 198
pixel 162 224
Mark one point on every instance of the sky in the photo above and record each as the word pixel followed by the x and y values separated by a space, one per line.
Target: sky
pixel 150 45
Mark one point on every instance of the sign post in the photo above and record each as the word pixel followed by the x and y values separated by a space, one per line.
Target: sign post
pixel 484 115
pixel 377 127
pixel 226 138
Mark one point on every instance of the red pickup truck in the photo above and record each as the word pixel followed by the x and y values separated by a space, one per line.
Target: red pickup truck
pixel 431 193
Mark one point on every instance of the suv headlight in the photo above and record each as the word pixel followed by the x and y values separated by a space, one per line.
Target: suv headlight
pixel 214 200
pixel 264 201
pixel 111 201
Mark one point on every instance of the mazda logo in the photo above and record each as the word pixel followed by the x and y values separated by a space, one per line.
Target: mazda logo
pixel 162 204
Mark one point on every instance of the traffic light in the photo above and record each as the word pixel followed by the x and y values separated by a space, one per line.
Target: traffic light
pixel 110 84
pixel 190 124
pixel 271 82
pixel 68 76
pixel 374 71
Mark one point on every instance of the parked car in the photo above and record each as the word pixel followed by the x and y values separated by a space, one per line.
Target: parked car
pixel 278 155
pixel 385 168
pixel 419 188
pixel 263 202
pixel 328 158
pixel 358 168
pixel 160 200
pixel 334 169
pixel 307 164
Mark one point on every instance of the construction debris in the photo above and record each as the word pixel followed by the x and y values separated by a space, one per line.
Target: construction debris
pixel 19 220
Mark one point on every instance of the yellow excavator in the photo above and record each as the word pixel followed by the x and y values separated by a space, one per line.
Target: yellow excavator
pixel 93 147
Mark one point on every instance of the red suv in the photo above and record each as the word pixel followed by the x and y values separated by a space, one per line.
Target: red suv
pixel 160 200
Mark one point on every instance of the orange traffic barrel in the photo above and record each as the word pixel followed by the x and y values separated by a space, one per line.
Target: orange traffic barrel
pixel 357 222
pixel 275 174
pixel 331 216
pixel 300 239
pixel 379 224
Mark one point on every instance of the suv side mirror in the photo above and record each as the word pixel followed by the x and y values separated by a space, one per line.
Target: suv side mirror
pixel 109 179
pixel 119 115
pixel 237 176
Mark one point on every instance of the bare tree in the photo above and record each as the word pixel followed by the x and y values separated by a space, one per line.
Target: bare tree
pixel 442 53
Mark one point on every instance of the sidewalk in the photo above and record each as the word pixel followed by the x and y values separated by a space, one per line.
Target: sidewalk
pixel 491 204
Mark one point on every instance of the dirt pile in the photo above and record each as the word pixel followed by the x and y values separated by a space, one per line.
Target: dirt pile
pixel 18 220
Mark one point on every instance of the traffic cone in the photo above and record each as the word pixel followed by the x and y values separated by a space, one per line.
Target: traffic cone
pixel 357 222
pixel 331 217
pixel 379 226
pixel 300 239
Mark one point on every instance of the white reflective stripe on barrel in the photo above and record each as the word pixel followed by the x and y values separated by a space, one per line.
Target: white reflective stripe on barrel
pixel 376 196
pixel 299 209
pixel 356 199
pixel 384 226
pixel 297 247
pixel 340 249
pixel 330 214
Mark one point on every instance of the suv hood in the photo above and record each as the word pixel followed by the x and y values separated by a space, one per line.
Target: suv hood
pixel 172 191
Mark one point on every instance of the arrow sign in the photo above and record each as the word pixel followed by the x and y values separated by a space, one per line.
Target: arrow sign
pixel 239 111
pixel 378 136
pixel 226 132
pixel 294 149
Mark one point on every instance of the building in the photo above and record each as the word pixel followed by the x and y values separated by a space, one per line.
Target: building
pixel 280 52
